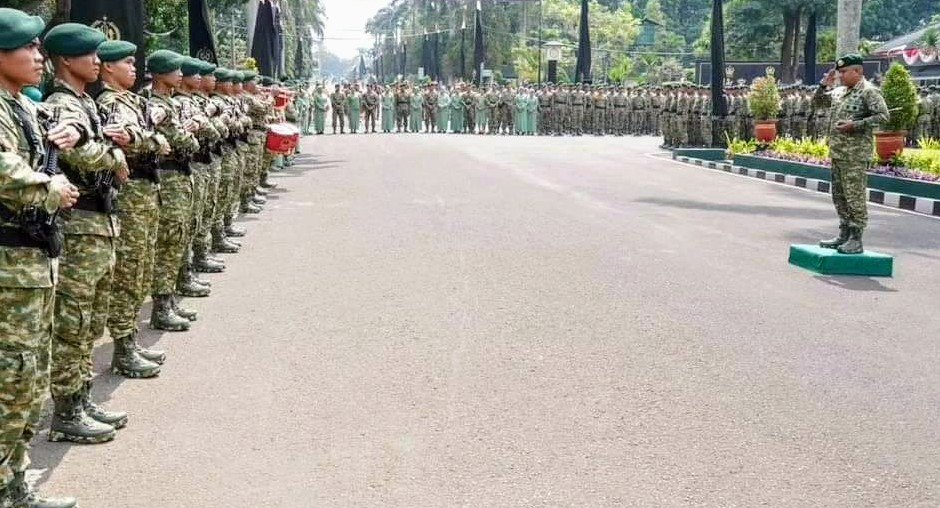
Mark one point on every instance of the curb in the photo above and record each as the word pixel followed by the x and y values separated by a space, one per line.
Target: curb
pixel 925 206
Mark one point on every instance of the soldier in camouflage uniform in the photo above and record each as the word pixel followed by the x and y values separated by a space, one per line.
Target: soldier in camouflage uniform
pixel 201 164
pixel 338 104
pixel 27 270
pixel 223 232
pixel 545 111
pixel 176 192
pixel 492 109
pixel 560 106
pixel 138 211
pixel 81 309
pixel 857 108
pixel 203 260
pixel 925 113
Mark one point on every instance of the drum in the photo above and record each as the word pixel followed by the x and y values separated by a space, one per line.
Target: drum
pixel 283 138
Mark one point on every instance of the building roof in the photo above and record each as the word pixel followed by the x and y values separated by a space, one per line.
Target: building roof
pixel 911 40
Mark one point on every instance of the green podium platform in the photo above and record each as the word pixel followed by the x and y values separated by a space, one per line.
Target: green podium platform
pixel 830 262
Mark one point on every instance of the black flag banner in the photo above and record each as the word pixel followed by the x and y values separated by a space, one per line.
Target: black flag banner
pixel 264 44
pixel 583 69
pixel 479 47
pixel 201 42
pixel 122 20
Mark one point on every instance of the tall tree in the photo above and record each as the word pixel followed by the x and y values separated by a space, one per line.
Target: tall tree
pixel 848 26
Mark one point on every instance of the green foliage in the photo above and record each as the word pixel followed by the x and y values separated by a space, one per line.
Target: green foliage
pixel 739 146
pixel 927 161
pixel 900 95
pixel 885 19
pixel 806 147
pixel 764 98
pixel 826 46
pixel 928 143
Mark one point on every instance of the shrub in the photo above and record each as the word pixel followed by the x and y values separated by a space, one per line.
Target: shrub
pixel 901 97
pixel 764 99
pixel 927 161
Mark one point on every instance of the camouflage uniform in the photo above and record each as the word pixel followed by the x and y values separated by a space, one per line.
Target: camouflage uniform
pixel 851 153
pixel 228 165
pixel 139 216
pixel 81 308
pixel 202 237
pixel 176 198
pixel 27 279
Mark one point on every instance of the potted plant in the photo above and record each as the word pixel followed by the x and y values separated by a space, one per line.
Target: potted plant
pixel 901 97
pixel 764 103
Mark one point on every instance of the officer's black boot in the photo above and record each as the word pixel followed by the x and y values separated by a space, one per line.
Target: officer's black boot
pixel 19 494
pixel 116 419
pixel 71 423
pixel 834 243
pixel 854 243
pixel 128 361
pixel 164 318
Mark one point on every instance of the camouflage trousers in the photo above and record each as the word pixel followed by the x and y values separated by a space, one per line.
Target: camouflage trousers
pixel 200 186
pixel 850 192
pixel 600 121
pixel 339 120
pixel 139 213
pixel 176 204
pixel 202 238
pixel 226 182
pixel 402 115
pixel 26 332
pixel 81 309
pixel 244 160
pixel 253 165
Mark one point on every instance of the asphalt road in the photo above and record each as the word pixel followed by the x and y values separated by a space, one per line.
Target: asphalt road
pixel 423 321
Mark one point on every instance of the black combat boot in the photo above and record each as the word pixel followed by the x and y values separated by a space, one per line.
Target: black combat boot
pixel 854 243
pixel 250 208
pixel 189 315
pixel 834 243
pixel 258 199
pixel 128 362
pixel 71 423
pixel 225 246
pixel 190 288
pixel 116 419
pixel 260 191
pixel 164 318
pixel 233 231
pixel 20 495
pixel 205 264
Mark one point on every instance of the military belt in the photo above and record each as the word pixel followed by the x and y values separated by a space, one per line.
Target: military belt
pixel 619 107
pixel 174 165
pixel 90 203
pixel 600 107
pixel 12 236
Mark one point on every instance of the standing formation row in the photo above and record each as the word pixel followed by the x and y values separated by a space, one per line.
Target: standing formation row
pixel 104 201
pixel 545 110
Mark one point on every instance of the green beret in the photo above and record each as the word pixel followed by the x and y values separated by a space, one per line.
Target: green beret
pixel 222 75
pixel 164 61
pixel 112 51
pixel 249 76
pixel 267 81
pixel 849 60
pixel 18 29
pixel 73 39
pixel 191 66
pixel 237 76
pixel 207 69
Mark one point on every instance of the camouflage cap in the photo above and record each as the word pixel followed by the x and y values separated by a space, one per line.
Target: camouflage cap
pixel 18 29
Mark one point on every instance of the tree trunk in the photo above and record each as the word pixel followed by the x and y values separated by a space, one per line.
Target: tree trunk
pixel 795 54
pixel 848 26
pixel 786 48
pixel 809 52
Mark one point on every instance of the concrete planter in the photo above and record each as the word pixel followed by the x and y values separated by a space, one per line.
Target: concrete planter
pixel 884 183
